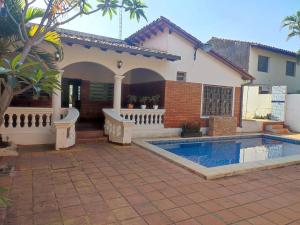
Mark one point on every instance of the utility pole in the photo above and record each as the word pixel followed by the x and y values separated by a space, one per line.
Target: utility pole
pixel 120 23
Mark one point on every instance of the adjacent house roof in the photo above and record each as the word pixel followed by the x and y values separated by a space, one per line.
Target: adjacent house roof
pixel 158 26
pixel 258 45
pixel 105 43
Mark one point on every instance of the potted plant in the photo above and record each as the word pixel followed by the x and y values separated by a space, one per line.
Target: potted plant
pixel 143 101
pixel 191 130
pixel 155 101
pixel 131 101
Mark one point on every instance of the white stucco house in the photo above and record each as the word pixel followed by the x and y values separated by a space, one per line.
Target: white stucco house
pixel 98 73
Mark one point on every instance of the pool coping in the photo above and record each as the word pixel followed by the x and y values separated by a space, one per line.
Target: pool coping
pixel 220 171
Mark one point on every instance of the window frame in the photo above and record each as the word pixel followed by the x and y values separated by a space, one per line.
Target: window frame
pixel 231 113
pixel 259 69
pixel 286 69
pixel 181 73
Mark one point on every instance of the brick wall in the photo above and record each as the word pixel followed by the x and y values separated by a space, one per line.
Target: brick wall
pixel 182 103
pixel 237 105
pixel 222 125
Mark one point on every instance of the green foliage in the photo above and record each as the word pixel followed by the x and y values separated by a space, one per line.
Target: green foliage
pixel 293 24
pixel 28 75
pixel 143 100
pixel 155 99
pixel 4 201
pixel 132 99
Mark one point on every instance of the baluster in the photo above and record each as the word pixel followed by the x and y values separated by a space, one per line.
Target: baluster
pixel 48 120
pixel 10 120
pixel 37 120
pixel 25 120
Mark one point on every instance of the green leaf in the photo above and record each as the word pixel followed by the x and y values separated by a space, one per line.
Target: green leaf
pixel 33 13
pixel 29 64
pixel 15 61
pixel 4 70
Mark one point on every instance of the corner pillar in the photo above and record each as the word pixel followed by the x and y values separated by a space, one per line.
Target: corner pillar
pixel 56 100
pixel 118 92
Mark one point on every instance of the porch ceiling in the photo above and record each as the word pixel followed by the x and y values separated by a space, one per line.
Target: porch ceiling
pixel 104 43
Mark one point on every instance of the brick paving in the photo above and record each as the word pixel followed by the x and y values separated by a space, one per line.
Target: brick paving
pixel 108 184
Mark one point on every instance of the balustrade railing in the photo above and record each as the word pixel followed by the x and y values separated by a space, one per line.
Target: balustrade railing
pixel 146 118
pixel 117 129
pixel 26 118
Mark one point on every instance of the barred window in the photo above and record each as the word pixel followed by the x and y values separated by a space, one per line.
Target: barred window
pixel 290 68
pixel 263 64
pixel 217 101
pixel 181 76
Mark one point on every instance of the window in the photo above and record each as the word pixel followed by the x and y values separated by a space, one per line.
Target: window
pixel 290 69
pixel 263 63
pixel 181 76
pixel 101 92
pixel 217 101
pixel 265 89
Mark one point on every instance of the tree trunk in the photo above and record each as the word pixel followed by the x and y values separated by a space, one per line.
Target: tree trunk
pixel 5 99
pixel 25 52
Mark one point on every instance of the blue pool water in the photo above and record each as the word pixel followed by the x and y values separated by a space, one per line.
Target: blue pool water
pixel 214 152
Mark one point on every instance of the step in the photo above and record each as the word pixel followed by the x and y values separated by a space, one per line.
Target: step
pixel 277 126
pixel 89 134
pixel 91 140
pixel 280 131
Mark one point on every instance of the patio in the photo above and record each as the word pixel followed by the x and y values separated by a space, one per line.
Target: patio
pixel 109 184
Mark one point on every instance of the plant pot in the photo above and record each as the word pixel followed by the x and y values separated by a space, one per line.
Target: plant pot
pixel 155 107
pixel 143 106
pixel 191 134
pixel 130 106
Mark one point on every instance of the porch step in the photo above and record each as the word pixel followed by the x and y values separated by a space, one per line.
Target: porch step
pixel 90 137
pixel 277 129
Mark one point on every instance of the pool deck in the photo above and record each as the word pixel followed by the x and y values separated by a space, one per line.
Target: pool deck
pixel 127 185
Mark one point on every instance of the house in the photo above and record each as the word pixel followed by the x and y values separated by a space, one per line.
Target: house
pixel 269 65
pixel 98 73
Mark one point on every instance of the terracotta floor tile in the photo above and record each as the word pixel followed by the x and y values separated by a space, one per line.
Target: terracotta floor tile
pixel 145 208
pixel 157 219
pixel 209 220
pixel 101 184
pixel 164 204
pixel 176 215
pixel 194 210
pixel 125 213
pixel 188 222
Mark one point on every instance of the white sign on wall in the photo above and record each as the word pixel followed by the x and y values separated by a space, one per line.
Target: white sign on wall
pixel 278 102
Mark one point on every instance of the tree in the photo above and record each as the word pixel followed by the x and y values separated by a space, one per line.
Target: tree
pixel 22 68
pixel 293 25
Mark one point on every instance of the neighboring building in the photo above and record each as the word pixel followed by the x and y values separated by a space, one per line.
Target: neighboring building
pixel 269 65
pixel 161 58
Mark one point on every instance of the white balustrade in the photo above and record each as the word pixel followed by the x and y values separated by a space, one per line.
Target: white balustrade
pixel 117 128
pixel 65 129
pixel 27 118
pixel 146 118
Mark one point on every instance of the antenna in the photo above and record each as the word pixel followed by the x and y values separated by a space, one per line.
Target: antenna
pixel 120 23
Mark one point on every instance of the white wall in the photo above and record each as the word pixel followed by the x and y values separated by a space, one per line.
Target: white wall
pixel 255 103
pixel 276 76
pixel 293 112
pixel 205 69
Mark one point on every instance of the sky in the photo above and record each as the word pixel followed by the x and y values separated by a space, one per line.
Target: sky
pixel 248 20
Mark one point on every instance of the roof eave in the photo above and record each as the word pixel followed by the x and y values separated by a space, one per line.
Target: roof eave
pixel 118 49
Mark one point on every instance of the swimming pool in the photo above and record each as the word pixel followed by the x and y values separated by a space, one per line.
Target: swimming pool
pixel 215 157
pixel 220 152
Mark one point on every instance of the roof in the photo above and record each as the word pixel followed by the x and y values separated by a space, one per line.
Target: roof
pixel 105 43
pixel 262 46
pixel 158 26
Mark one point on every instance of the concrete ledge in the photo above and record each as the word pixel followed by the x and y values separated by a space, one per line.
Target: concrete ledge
pixel 220 171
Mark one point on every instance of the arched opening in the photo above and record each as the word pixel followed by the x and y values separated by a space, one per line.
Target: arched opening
pixel 142 82
pixel 88 87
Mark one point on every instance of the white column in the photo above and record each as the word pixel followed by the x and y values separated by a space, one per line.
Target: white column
pixel 118 92
pixel 56 100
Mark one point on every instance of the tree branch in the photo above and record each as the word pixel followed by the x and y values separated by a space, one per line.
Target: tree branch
pixel 22 90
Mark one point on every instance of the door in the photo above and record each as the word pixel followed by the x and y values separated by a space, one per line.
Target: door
pixel 71 93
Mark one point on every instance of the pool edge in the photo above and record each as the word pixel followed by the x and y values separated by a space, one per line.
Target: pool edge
pixel 221 171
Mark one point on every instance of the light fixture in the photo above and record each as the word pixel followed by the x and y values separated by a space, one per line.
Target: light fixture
pixel 57 56
pixel 119 64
